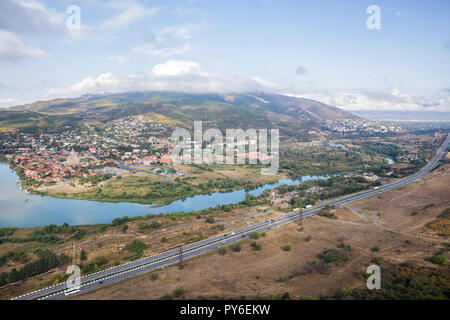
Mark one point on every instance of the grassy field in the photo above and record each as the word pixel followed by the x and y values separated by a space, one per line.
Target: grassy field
pixel 150 189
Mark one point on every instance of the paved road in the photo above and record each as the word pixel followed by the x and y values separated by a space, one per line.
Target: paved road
pixel 134 268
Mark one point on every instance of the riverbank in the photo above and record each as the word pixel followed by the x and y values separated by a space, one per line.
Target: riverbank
pixel 20 209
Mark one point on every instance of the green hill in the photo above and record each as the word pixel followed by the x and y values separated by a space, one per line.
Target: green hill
pixel 293 116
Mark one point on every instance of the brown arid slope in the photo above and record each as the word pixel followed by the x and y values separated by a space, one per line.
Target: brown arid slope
pixel 392 228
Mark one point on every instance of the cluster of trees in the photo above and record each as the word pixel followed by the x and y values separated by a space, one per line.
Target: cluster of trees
pixel 93 266
pixel 378 148
pixel 94 180
pixel 143 227
pixel 21 257
pixel 119 221
pixel 47 261
pixel 332 187
pixel 76 232
pixel 404 282
pixel 137 247
pixel 6 232
pixel 48 234
pixel 225 184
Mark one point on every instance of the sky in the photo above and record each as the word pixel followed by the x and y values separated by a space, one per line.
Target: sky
pixel 323 50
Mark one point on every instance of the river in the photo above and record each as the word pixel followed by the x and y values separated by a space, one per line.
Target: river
pixel 20 209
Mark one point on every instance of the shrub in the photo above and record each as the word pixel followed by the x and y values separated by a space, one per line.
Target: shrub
pixel 286 248
pixel 286 296
pixel 137 247
pixel 63 259
pixel 164 239
pixel 439 259
pixel 222 251
pixel 179 292
pixel 377 260
pixel 256 246
pixel 154 276
pixel 155 225
pixel 236 248
pixel 308 238
pixel 210 220
pixel 375 249
pixel 255 235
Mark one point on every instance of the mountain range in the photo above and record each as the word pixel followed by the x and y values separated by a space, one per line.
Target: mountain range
pixel 293 116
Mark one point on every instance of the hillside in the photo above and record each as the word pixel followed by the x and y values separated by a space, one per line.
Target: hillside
pixel 294 116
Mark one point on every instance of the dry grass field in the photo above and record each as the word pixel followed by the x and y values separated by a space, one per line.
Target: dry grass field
pixel 392 227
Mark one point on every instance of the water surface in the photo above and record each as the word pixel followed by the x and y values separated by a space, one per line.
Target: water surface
pixel 21 209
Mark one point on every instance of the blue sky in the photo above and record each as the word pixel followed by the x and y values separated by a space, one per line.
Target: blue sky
pixel 316 49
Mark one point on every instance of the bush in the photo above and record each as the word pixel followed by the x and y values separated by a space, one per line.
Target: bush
pixel 155 225
pixel 164 239
pixel 308 238
pixel 375 249
pixel 286 296
pixel 236 248
pixel 93 266
pixel 119 221
pixel 256 246
pixel 377 260
pixel 210 220
pixel 179 292
pixel 286 248
pixel 255 235
pixel 439 259
pixel 137 247
pixel 63 259
pixel 154 276
pixel 222 251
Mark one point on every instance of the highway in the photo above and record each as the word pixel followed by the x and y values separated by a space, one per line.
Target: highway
pixel 137 267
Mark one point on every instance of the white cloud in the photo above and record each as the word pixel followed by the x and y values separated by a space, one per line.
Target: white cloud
pixel 12 48
pixel 118 59
pixel 173 75
pixel 175 68
pixel 130 12
pixel 182 11
pixel 183 31
pixel 6 101
pixel 29 17
pixel 153 50
pixel 395 100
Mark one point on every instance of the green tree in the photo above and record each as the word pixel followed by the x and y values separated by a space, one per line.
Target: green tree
pixel 83 255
